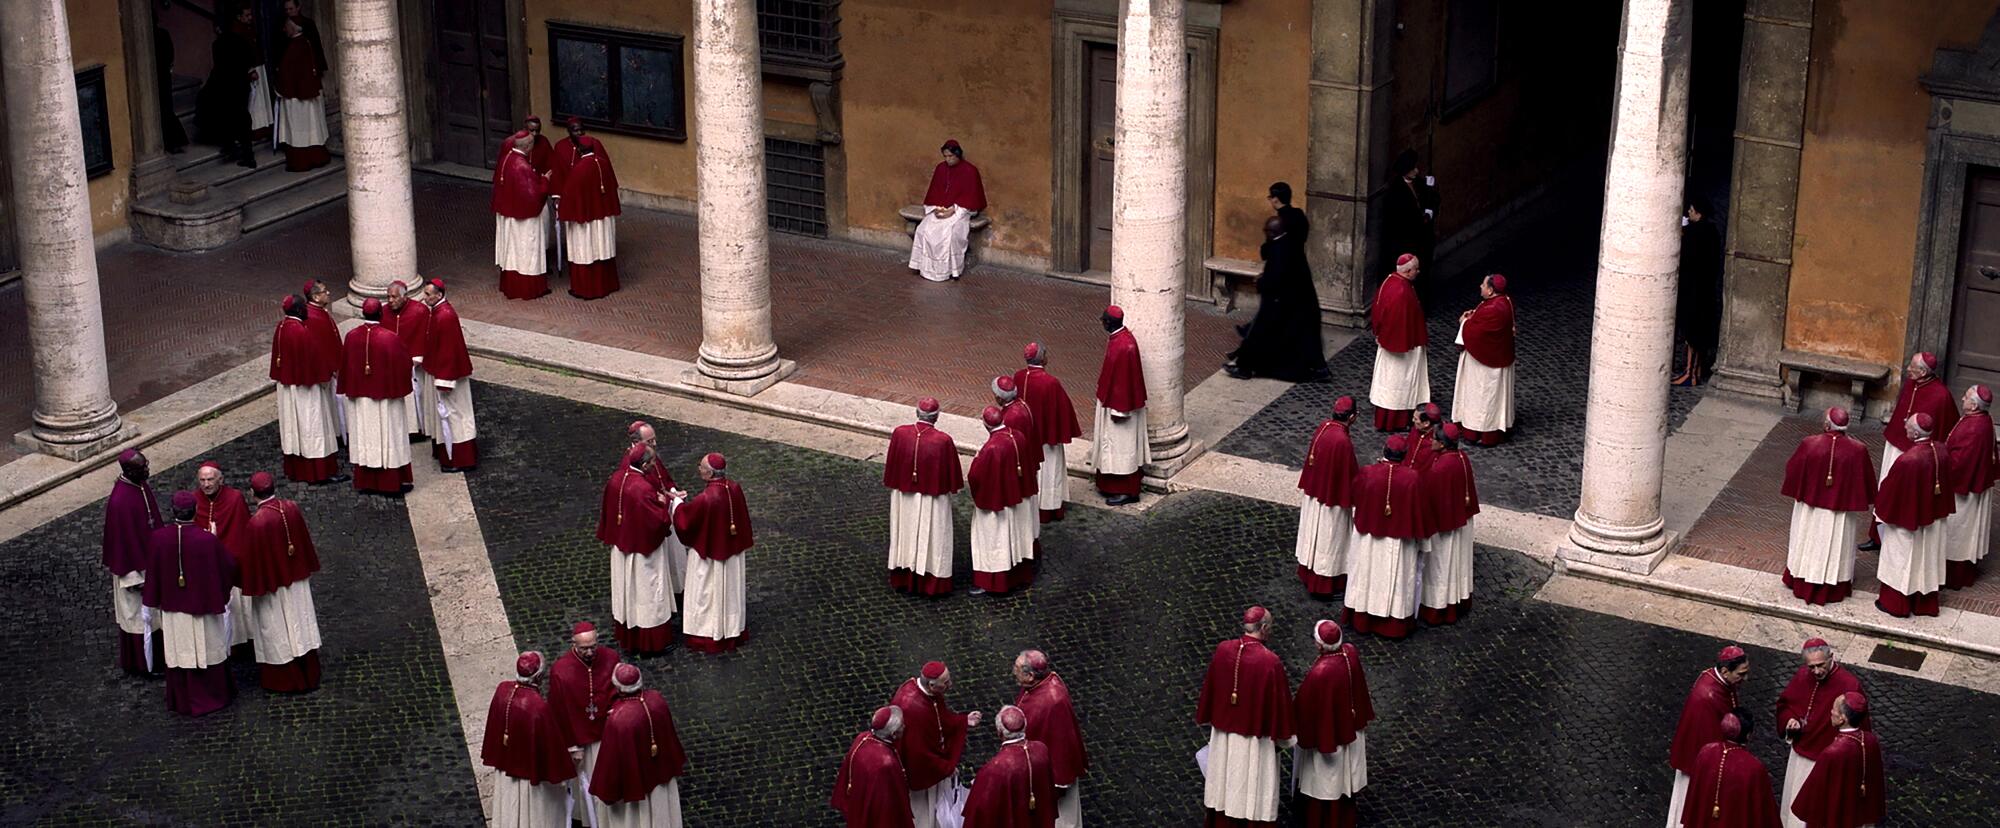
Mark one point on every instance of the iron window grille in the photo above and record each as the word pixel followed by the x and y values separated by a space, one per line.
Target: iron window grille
pixel 795 186
pixel 800 32
pixel 618 80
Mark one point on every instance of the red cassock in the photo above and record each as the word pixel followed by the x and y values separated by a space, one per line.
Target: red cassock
pixel 522 739
pixel 1013 789
pixel 660 477
pixel 1397 318
pixel 296 358
pixel 1708 701
pixel 518 190
pixel 1333 702
pixel 1052 722
pixel 1055 415
pixel 564 156
pixel 227 515
pixel 956 185
pixel 445 356
pixel 1422 447
pixel 580 694
pixel 922 460
pixel 298 71
pixel 1972 456
pixel 640 751
pixel 1845 789
pixel 1728 788
pixel 1928 395
pixel 1915 493
pixel 1489 332
pixel 631 517
pixel 1831 471
pixel 1121 386
pixel 1811 702
pixel 1021 420
pixel 280 549
pixel 999 478
pixel 326 333
pixel 131 514
pixel 933 736
pixel 1246 691
pixel 412 322
pixel 589 190
pixel 716 522
pixel 1328 476
pixel 870 791
pixel 1389 502
pixel 377 365
pixel 538 155
pixel 1449 486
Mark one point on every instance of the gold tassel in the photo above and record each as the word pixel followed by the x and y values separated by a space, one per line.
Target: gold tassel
pixel 503 740
pixel 654 749
pixel 1387 508
pixel 182 580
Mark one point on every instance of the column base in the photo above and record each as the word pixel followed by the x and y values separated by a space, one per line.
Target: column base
pixel 75 452
pixel 1639 557
pixel 1351 318
pixel 741 387
pixel 1748 383
pixel 152 176
pixel 1172 455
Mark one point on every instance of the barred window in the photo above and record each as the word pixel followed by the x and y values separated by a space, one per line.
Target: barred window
pixel 795 186
pixel 800 30
pixel 617 80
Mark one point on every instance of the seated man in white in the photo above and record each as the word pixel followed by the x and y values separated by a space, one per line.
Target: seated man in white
pixel 954 197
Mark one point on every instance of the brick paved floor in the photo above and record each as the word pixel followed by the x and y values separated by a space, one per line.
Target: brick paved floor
pixel 1473 719
pixel 1551 271
pixel 1748 525
pixel 378 744
pixel 854 317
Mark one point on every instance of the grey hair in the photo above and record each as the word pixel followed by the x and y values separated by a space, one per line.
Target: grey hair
pixel 895 725
pixel 1826 649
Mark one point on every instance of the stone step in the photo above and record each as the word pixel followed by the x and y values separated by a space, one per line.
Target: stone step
pixel 329 184
pixel 198 154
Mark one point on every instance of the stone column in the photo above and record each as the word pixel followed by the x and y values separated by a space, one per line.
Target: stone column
pixel 1618 521
pixel 74 415
pixel 1347 122
pixel 381 217
pixel 152 170
pixel 1149 213
pixel 738 353
pixel 1764 194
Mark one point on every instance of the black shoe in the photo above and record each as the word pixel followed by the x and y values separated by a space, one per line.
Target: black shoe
pixel 417 438
pixel 1120 499
pixel 1869 545
pixel 1243 330
pixel 1236 372
pixel 338 478
pixel 451 470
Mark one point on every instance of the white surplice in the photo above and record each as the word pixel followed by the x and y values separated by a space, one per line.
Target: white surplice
pixel 1912 562
pixel 642 594
pixel 1402 381
pixel 1120 445
pixel 301 122
pixel 1331 776
pixel 287 623
pixel 518 803
pixel 591 241
pixel 307 424
pixel 660 809
pixel 937 250
pixel 378 433
pixel 920 533
pixel 1820 549
pixel 716 596
pixel 1381 575
pixel 1242 777
pixel 1483 397
pixel 518 245
pixel 1323 537
pixel 1969 529
pixel 1052 480
pixel 1447 566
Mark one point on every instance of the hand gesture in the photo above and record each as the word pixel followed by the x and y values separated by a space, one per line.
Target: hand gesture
pixel 943 212
pixel 677 494
pixel 974 718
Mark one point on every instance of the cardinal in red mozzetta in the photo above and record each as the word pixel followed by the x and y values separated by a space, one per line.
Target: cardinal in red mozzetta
pixel 526 747
pixel 871 790
pixel 1055 426
pixel 1246 703
pixel 1326 503
pixel 1119 435
pixel 921 473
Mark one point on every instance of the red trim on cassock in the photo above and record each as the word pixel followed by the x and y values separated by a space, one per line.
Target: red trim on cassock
pixel 1812 593
pixel 1392 419
pixel 1322 813
pixel 132 653
pixel 377 365
pixel 1397 317
pixel 1322 586
pixel 280 549
pixel 1489 332
pixel 514 285
pixel 390 481
pixel 1246 692
pixel 1055 416
pixel 1053 515
pixel 1915 493
pixel 908 581
pixel 1441 616
pixel 1120 484
pixel 464 455
pixel 300 159
pixel 1121 383
pixel 1328 475
pixel 1902 605
pixel 923 460
pixel 643 641
pixel 1973 454
pixel 1218 819
pixel 199 691
pixel 704 644
pixel 1928 395
pixel 1960 574
pixel 300 675
pixel 1362 622
pixel 1851 487
pixel 1015 577
pixel 595 280
pixel 310 469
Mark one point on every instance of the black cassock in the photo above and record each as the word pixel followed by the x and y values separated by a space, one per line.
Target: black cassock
pixel 1283 340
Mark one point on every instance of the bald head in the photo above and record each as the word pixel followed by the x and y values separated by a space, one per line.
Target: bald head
pixel 1031 666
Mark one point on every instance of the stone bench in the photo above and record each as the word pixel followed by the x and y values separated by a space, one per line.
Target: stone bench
pixel 1228 275
pixel 1800 365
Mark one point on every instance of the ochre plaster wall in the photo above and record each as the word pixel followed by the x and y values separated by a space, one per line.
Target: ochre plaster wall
pixel 1263 62
pixel 1861 172
pixel 96 36
pixel 647 165
pixel 921 71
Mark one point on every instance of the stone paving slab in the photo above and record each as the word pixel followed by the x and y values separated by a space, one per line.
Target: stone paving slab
pixel 1473 717
pixel 378 744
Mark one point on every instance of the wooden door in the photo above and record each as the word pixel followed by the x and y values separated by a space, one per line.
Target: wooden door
pixel 475 102
pixel 1101 107
pixel 1975 308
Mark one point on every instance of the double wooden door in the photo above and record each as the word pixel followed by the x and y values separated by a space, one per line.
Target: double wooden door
pixel 1974 355
pixel 475 100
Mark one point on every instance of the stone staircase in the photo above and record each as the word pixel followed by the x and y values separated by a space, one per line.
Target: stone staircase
pixel 214 201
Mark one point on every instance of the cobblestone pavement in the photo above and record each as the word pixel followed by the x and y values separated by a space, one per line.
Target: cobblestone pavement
pixel 378 744
pixel 1476 721
pixel 1552 274
pixel 844 311
pixel 1749 523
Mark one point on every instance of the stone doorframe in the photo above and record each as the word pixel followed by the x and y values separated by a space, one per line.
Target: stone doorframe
pixel 1964 132
pixel 1077 24
pixel 1763 194
pixel 1347 140
pixel 420 82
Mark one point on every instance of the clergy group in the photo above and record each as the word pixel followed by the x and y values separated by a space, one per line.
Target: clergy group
pixel 566 195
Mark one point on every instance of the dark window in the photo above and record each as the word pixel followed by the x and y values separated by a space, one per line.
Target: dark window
pixel 95 115
pixel 795 186
pixel 800 31
pixel 1472 51
pixel 617 80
